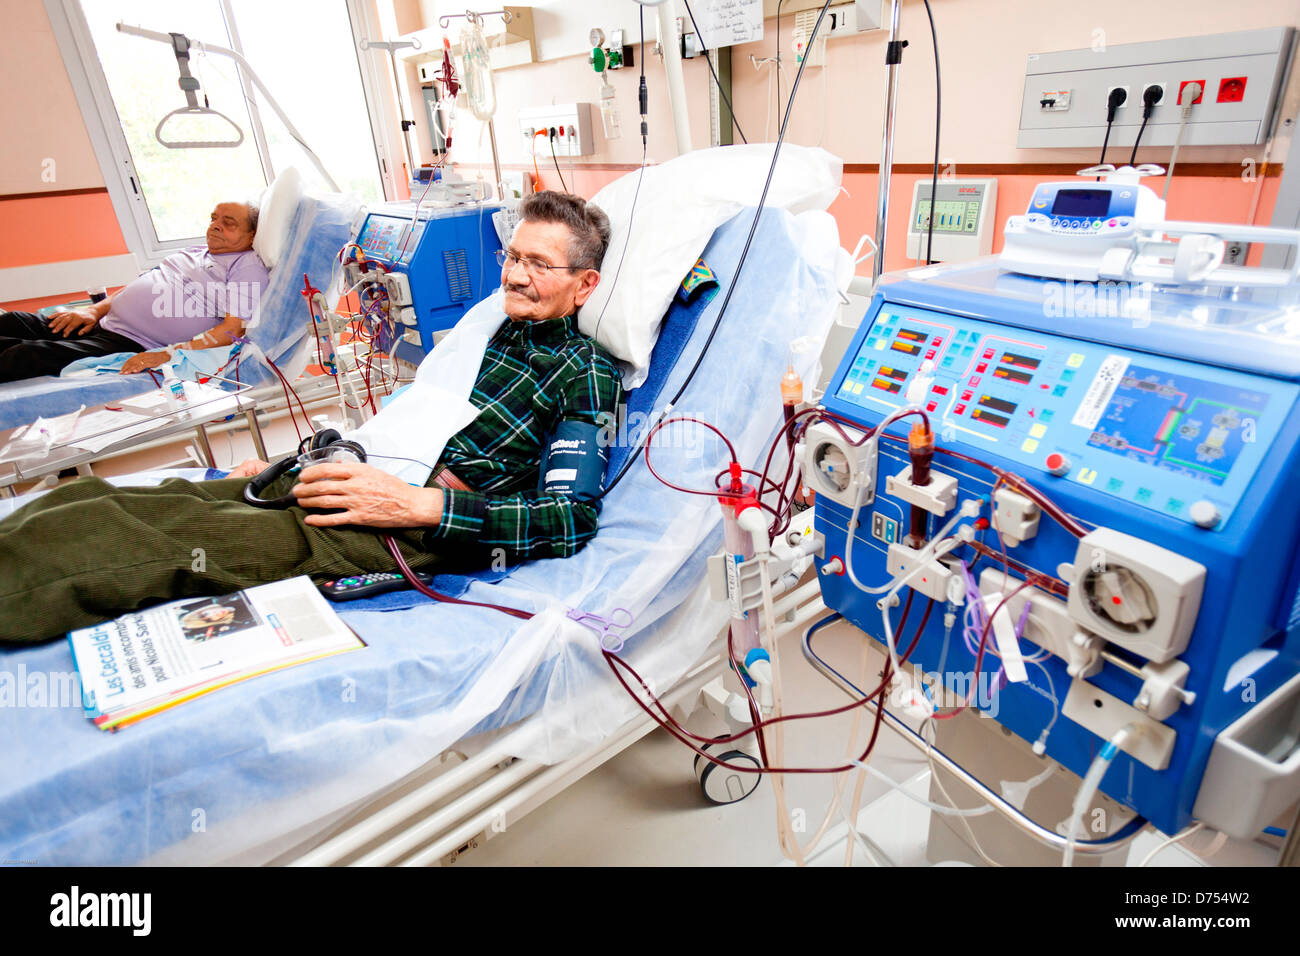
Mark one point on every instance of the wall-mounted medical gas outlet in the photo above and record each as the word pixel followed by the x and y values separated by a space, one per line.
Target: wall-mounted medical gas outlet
pixel 572 125
pixel 1241 75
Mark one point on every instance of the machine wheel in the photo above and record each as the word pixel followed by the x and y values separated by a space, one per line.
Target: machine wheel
pixel 721 785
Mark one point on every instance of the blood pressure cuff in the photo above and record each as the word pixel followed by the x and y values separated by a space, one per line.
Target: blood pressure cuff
pixel 574 463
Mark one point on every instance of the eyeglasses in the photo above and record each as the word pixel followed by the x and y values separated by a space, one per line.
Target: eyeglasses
pixel 534 267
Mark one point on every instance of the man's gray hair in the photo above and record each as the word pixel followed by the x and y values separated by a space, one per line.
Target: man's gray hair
pixel 586 221
pixel 254 210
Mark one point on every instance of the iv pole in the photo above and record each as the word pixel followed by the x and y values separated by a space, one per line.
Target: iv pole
pixel 893 56
pixel 392 46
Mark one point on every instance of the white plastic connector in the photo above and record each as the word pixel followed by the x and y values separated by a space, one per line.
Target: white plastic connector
pixel 1015 517
pixel 753 521
pixel 932 580
pixel 938 497
pixel 1162 690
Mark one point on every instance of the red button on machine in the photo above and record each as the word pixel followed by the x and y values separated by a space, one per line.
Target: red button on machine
pixel 982 367
pixel 940 390
pixel 1057 464
pixel 930 354
pixel 937 340
pixel 988 353
pixel 974 380
pixel 959 409
pixel 931 406
pixel 966 396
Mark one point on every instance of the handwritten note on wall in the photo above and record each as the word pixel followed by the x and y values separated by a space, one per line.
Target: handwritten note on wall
pixel 728 22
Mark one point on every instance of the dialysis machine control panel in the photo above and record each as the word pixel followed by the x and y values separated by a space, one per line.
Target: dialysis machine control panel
pixel 1163 578
pixel 1155 432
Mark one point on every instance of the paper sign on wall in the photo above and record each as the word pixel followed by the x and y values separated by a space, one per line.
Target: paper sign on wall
pixel 729 22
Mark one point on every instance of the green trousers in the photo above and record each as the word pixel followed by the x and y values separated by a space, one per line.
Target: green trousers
pixel 88 551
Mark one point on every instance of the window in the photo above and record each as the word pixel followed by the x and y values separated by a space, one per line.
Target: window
pixel 304 52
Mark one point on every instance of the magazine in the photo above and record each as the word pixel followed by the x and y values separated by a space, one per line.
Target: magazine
pixel 150 661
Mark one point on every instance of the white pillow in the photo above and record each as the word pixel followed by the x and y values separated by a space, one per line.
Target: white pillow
pixel 680 204
pixel 278 204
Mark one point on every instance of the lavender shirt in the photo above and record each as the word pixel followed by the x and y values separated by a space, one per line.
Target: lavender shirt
pixel 188 293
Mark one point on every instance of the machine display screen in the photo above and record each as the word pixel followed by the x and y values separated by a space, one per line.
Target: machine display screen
pixel 389 237
pixel 1082 203
pixel 952 216
pixel 1179 423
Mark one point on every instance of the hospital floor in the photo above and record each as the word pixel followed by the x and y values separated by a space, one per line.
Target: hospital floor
pixel 644 807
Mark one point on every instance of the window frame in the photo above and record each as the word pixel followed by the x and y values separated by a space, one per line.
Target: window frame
pixel 108 139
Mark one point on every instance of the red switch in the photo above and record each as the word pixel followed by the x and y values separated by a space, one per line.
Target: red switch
pixel 1183 85
pixel 1232 89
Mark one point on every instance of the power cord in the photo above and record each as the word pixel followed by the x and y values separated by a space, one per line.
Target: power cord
pixel 556 160
pixel 1149 97
pixel 1188 95
pixel 1113 102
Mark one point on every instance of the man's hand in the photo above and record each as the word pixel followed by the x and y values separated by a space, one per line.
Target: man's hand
pixel 144 360
pixel 249 469
pixel 369 497
pixel 73 321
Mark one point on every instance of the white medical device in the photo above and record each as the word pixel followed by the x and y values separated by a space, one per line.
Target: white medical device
pixel 965 213
pixel 1070 227
pixel 1117 230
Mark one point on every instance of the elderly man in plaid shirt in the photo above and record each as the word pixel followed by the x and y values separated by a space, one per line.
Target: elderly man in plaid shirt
pixel 88 551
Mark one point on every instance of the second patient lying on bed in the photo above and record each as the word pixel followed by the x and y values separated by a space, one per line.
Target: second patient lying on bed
pixel 197 298
pixel 88 551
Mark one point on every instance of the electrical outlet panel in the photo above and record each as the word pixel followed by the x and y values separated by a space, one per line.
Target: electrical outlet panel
pixel 1241 76
pixel 572 125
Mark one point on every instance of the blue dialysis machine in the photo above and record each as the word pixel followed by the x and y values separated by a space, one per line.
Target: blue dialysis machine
pixel 1163 422
pixel 433 262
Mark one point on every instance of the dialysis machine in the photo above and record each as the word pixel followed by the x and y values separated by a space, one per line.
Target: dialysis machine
pixel 432 261
pixel 1159 416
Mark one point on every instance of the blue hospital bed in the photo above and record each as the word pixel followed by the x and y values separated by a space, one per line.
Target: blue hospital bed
pixel 315 739
pixel 319 229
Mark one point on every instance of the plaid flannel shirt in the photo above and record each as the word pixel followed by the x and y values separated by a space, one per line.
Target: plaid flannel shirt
pixel 534 375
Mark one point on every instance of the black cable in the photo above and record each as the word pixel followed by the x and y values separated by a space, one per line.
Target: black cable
pixel 721 92
pixel 744 252
pixel 1113 102
pixel 644 105
pixel 938 102
pixel 1149 97
pixel 622 255
pixel 555 159
pixel 643 94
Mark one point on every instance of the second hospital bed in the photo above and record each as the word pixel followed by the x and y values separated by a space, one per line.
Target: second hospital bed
pixel 267 769
pixel 312 236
